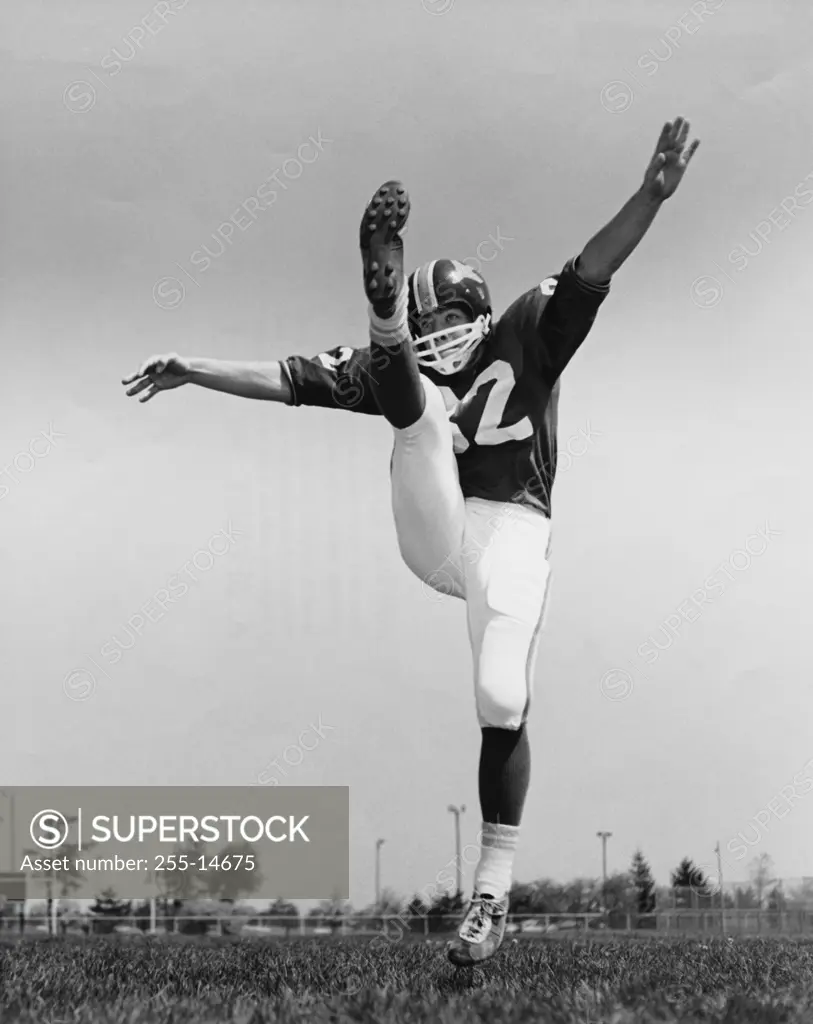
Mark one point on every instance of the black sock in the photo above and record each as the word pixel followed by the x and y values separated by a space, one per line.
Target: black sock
pixel 505 774
pixel 396 383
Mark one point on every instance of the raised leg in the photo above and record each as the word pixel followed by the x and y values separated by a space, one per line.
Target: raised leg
pixel 427 502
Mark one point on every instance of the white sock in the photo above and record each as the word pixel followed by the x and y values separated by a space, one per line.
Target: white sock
pixel 495 869
pixel 392 331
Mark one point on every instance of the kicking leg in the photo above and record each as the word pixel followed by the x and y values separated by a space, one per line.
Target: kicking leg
pixel 506 550
pixel 395 378
pixel 427 502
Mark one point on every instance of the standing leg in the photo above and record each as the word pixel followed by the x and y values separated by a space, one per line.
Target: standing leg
pixel 507 575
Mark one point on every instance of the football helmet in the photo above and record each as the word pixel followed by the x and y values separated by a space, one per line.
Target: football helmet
pixel 436 285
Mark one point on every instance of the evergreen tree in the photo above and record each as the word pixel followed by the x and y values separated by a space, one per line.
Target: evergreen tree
pixel 690 886
pixel 776 899
pixel 643 883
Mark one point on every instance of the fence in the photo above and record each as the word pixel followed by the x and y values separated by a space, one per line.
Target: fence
pixel 737 922
pixel 666 923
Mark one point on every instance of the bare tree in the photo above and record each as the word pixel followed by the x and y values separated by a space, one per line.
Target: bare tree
pixel 762 877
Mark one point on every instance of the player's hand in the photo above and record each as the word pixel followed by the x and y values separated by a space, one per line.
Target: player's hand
pixel 159 373
pixel 668 165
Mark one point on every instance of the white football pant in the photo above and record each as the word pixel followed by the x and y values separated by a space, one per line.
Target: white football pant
pixel 492 554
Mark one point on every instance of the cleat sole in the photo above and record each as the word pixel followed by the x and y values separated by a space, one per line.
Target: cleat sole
pixel 381 245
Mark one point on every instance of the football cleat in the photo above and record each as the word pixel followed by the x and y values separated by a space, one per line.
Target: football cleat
pixel 481 933
pixel 438 285
pixel 382 249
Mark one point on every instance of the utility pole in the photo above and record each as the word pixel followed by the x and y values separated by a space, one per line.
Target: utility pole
pixel 378 844
pixel 11 841
pixel 604 836
pixel 457 811
pixel 722 893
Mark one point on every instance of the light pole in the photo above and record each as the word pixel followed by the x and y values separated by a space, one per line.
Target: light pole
pixel 604 836
pixel 720 880
pixel 378 844
pixel 457 811
pixel 11 841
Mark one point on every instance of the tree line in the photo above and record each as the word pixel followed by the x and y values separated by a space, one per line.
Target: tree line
pixel 195 905
pixel 632 892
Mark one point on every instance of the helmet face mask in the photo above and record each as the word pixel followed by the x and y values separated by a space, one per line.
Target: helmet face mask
pixel 452 348
pixel 442 284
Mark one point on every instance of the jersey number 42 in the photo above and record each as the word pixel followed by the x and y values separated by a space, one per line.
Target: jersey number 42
pixel 499 379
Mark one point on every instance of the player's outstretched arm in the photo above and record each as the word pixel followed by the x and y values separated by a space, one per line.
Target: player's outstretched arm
pixel 265 381
pixel 606 252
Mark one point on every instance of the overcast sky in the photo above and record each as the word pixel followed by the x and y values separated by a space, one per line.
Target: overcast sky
pixel 684 419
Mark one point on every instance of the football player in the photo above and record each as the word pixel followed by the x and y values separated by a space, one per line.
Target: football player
pixel 472 403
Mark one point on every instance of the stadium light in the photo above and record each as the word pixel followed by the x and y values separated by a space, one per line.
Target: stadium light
pixel 457 811
pixel 604 836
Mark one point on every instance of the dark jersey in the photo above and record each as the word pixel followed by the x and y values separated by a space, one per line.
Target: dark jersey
pixel 503 407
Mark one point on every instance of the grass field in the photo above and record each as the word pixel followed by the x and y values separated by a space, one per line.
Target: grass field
pixel 250 981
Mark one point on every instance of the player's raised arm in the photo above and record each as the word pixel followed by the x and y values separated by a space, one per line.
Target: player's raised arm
pixel 261 380
pixel 605 252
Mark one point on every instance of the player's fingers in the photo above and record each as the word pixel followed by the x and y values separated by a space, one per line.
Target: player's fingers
pixel 690 152
pixel 147 365
pixel 678 140
pixel 157 364
pixel 664 137
pixel 139 387
pixel 150 394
